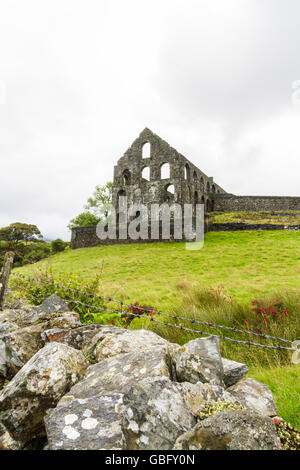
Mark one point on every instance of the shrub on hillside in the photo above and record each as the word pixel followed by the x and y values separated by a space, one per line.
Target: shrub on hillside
pixel 78 291
pixel 58 245
pixel 34 256
pixel 26 253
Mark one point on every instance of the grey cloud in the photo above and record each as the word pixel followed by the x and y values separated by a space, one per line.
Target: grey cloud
pixel 82 79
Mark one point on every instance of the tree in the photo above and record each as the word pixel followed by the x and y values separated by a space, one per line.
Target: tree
pixel 97 208
pixel 100 202
pixel 18 232
pixel 84 219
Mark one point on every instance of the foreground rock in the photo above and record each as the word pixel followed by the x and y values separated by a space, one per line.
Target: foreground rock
pixel 124 341
pixel 7 442
pixel 76 338
pixel 198 395
pixel 118 373
pixel 25 315
pixel 86 424
pixel 200 361
pixel 231 430
pixel 17 347
pixel 141 392
pixel 233 371
pixel 154 413
pixel 255 396
pixel 38 386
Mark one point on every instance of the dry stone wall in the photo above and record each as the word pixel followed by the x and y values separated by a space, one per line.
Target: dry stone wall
pixel 97 387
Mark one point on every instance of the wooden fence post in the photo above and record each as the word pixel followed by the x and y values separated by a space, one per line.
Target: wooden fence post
pixel 4 278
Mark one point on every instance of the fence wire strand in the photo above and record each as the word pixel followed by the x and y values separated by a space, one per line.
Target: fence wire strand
pixel 143 309
pixel 180 327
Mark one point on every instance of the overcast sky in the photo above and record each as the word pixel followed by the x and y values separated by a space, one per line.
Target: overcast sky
pixel 80 79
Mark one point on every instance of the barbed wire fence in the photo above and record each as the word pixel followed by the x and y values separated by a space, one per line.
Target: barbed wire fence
pixel 142 311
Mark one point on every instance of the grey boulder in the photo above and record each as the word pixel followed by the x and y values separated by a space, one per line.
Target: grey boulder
pixel 199 394
pixel 233 371
pixel 231 430
pixel 153 415
pixel 255 396
pixel 86 424
pixel 128 341
pixel 75 338
pixel 200 360
pixel 17 347
pixel 38 386
pixel 118 373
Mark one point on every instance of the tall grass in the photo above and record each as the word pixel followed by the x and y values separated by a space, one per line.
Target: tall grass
pixel 216 306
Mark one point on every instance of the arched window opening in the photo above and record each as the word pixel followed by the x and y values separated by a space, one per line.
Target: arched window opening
pixel 146 150
pixel 196 197
pixel 195 177
pixel 202 183
pixel 170 188
pixel 126 178
pixel 187 172
pixel 121 193
pixel 208 187
pixel 165 171
pixel 208 205
pixel 202 200
pixel 213 188
pixel 146 173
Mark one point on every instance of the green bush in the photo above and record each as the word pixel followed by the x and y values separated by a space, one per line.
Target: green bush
pixel 26 253
pixel 58 245
pixel 34 256
pixel 73 288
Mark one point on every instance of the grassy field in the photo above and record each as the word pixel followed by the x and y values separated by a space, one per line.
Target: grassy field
pixel 260 217
pixel 239 266
pixel 247 264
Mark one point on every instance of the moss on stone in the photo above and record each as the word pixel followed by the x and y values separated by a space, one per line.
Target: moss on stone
pixel 216 407
pixel 289 436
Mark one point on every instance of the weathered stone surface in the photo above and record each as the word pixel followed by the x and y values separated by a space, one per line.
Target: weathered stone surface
pixel 50 310
pixel 88 348
pixel 19 317
pixel 17 347
pixel 52 304
pixel 86 424
pixel 38 386
pixel 18 305
pixel 7 442
pixel 199 394
pixel 128 341
pixel 200 360
pixel 76 338
pixel 118 373
pixel 7 327
pixel 231 430
pixel 67 320
pixel 233 371
pixel 154 413
pixel 255 396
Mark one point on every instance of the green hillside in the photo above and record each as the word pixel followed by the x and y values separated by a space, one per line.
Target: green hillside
pixel 247 264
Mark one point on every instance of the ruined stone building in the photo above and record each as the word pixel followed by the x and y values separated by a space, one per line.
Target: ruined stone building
pixel 152 172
